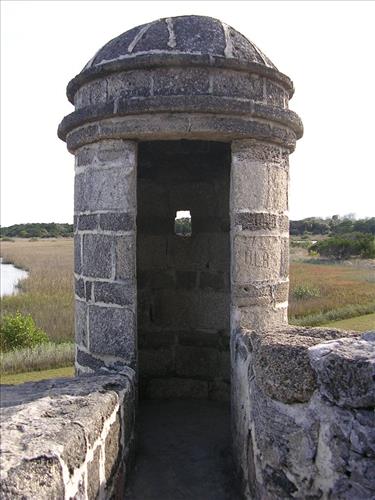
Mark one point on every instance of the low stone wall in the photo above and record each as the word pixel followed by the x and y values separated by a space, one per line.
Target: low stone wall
pixel 303 413
pixel 67 438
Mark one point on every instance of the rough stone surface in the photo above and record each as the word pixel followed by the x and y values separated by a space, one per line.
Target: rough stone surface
pixel 112 331
pixel 345 369
pixel 52 433
pixel 281 360
pixel 285 449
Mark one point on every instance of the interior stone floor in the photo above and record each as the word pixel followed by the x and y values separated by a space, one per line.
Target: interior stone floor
pixel 183 452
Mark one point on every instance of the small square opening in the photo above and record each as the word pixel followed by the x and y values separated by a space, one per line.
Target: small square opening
pixel 182 223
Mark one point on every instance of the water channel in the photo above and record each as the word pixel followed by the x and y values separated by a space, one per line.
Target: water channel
pixel 10 277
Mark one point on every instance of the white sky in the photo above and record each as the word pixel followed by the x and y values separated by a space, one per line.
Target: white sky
pixel 327 48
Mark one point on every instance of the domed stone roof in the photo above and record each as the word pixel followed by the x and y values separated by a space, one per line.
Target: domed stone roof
pixel 192 35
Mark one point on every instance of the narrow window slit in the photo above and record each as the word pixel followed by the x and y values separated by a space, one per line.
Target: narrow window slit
pixel 182 223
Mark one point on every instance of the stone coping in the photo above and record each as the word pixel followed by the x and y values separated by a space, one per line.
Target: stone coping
pixel 281 362
pixel 180 104
pixel 61 438
pixel 177 126
pixel 148 61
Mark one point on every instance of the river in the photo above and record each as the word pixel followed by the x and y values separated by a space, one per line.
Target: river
pixel 10 276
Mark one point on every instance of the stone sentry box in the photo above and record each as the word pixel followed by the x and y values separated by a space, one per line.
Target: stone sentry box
pixel 186 114
pixel 180 114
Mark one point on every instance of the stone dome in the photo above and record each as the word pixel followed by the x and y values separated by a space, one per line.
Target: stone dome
pixel 187 77
pixel 193 35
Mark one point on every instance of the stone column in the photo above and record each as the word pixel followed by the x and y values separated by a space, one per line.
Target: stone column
pixel 105 255
pixel 259 235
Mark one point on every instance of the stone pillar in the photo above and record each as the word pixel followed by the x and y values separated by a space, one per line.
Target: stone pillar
pixel 259 235
pixel 105 254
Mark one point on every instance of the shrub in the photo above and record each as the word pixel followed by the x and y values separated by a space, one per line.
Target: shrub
pixel 18 331
pixel 346 246
pixel 305 292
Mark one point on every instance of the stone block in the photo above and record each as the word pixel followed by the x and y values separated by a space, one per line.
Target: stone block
pixel 117 221
pixel 155 362
pixel 237 84
pixel 256 221
pixel 184 81
pixel 129 84
pixel 97 91
pixel 93 475
pixel 77 253
pixel 262 317
pixel 122 294
pixel 156 279
pixel 345 369
pixel 112 448
pixel 125 257
pixel 186 279
pixel 79 287
pixel 88 290
pixel 40 477
pixel 212 280
pixel 177 388
pixel 281 360
pixel 107 153
pixel 152 199
pixel 202 362
pixel 284 258
pixel 152 251
pixel 262 293
pixel 255 258
pixel 112 332
pixel 211 224
pixel 275 95
pixel 87 222
pixel 218 340
pixel 258 184
pixel 112 189
pixel 87 361
pixel 253 151
pixel 155 224
pixel 81 322
pixel 98 255
pixel 156 340
pixel 197 309
pixel 75 448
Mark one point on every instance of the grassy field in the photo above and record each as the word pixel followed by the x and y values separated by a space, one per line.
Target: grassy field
pixel 323 291
pixel 359 323
pixel 48 291
pixel 20 378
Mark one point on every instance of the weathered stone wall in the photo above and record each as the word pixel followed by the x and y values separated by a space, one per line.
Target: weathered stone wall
pixel 67 438
pixel 105 267
pixel 259 235
pixel 186 81
pixel 303 413
pixel 183 282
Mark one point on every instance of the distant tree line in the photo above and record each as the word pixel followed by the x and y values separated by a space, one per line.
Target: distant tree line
pixel 335 225
pixel 37 230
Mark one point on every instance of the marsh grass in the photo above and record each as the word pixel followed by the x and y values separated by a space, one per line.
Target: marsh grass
pixel 42 357
pixel 47 293
pixel 345 291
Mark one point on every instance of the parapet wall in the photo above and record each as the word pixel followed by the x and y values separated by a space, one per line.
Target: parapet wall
pixel 303 413
pixel 67 438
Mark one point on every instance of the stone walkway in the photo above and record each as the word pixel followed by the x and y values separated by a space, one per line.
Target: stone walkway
pixel 184 452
